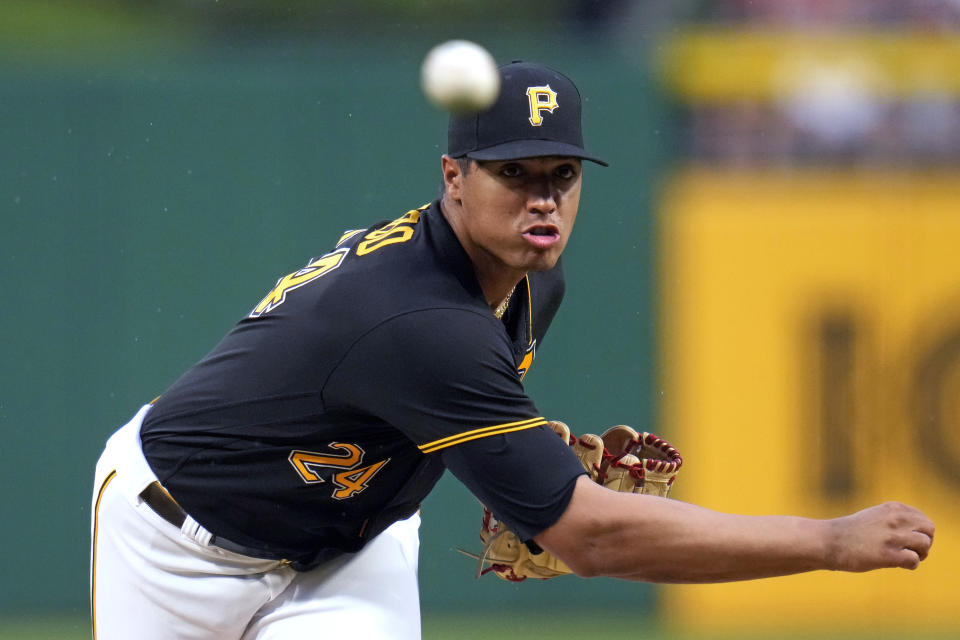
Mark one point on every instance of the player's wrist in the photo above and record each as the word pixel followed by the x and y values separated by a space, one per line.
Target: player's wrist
pixel 833 548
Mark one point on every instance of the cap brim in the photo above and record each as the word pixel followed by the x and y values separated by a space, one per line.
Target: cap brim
pixel 519 149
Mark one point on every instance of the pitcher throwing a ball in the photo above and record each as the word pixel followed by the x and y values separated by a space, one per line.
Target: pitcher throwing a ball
pixel 273 490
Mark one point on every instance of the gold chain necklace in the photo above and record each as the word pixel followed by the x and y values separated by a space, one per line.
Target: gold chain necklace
pixel 502 307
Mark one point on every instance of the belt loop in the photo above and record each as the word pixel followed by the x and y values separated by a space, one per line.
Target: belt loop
pixel 195 531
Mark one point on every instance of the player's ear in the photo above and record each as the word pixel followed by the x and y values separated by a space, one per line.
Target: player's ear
pixel 452 176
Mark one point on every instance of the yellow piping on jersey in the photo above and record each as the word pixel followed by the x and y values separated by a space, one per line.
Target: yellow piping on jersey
pixel 484 432
pixel 529 312
pixel 93 553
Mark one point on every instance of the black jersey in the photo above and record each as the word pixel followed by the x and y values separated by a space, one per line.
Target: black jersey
pixel 332 410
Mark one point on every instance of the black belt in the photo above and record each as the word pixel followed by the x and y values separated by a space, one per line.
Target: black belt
pixel 163 504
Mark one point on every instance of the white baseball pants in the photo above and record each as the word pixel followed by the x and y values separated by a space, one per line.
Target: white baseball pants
pixel 150 580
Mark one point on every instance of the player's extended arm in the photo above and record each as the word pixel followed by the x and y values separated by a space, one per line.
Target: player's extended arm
pixel 652 539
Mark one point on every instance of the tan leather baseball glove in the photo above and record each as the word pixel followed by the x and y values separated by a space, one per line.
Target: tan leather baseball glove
pixel 621 459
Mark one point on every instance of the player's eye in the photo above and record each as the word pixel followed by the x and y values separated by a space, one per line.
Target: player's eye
pixel 511 170
pixel 565 172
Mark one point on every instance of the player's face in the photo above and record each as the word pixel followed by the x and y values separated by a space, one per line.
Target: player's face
pixel 519 213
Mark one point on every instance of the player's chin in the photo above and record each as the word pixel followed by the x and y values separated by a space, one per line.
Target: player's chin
pixel 542 261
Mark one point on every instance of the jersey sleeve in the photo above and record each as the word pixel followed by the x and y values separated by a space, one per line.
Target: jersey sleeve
pixel 525 478
pixel 445 378
pixel 441 376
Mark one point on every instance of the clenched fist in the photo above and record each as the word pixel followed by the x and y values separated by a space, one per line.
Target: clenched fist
pixel 891 534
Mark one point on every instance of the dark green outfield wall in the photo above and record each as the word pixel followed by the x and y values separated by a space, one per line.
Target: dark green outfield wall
pixel 146 203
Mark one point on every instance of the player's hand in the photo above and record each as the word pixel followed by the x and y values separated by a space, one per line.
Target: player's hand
pixel 886 535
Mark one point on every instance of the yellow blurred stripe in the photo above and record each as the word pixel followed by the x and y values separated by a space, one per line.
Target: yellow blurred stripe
pixel 721 64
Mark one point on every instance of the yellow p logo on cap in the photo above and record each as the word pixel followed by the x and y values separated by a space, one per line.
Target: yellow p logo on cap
pixel 541 99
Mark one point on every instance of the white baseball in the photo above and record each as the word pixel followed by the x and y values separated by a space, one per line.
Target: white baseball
pixel 460 76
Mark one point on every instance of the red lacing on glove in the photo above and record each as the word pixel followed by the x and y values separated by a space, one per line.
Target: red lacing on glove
pixel 673 461
pixel 635 470
pixel 487 517
pixel 505 571
pixel 613 459
pixel 600 474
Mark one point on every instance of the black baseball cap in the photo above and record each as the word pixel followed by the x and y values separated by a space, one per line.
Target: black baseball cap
pixel 536 114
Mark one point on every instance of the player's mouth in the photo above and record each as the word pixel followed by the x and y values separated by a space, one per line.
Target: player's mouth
pixel 542 236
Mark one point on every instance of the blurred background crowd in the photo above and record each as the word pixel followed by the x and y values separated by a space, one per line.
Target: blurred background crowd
pixel 844 82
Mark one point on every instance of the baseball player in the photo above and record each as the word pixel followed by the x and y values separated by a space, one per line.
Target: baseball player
pixel 273 490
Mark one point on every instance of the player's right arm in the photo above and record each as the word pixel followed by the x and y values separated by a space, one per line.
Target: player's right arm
pixel 652 539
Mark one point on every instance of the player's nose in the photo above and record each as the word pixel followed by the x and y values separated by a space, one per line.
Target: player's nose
pixel 541 197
